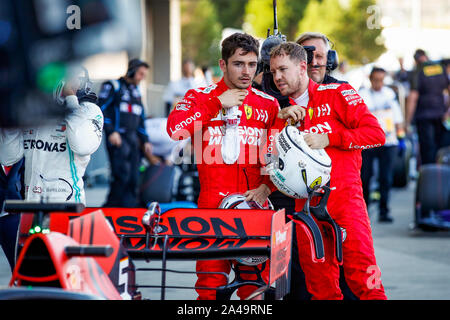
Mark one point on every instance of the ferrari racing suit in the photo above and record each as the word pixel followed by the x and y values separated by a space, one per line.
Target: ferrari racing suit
pixel 200 116
pixel 336 109
pixel 56 156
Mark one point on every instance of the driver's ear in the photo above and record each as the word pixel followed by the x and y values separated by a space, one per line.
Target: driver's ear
pixel 303 67
pixel 223 65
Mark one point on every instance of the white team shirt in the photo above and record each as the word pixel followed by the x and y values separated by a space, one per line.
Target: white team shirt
pixel 386 109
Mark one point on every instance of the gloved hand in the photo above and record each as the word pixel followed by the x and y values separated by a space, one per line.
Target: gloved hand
pixel 86 96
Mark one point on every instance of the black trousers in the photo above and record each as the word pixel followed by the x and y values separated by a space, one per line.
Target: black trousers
pixel 432 136
pixel 298 289
pixel 124 162
pixel 9 226
pixel 386 156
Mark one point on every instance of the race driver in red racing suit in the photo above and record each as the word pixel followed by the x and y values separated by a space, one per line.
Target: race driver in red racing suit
pixel 206 115
pixel 338 120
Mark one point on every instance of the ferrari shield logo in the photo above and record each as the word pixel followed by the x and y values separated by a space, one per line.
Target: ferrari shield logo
pixel 248 111
pixel 311 113
pixel 316 182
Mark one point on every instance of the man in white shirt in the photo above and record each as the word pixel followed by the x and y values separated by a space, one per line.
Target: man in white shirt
pixel 176 90
pixel 381 101
pixel 164 148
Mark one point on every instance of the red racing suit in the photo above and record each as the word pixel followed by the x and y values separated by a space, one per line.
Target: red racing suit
pixel 338 110
pixel 199 117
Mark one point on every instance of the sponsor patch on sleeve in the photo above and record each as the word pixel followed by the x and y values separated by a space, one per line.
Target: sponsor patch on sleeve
pixel 331 86
pixel 348 92
pixel 186 103
pixel 353 98
pixel 355 101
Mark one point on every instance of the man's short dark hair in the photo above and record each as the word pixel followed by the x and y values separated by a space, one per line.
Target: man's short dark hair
pixel 419 53
pixel 293 50
pixel 136 63
pixel 187 60
pixel 239 40
pixel 376 69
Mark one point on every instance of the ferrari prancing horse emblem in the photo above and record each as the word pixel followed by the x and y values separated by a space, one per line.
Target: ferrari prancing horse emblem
pixel 248 111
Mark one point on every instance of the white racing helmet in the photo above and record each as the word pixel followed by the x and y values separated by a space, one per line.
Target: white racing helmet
pixel 295 168
pixel 237 201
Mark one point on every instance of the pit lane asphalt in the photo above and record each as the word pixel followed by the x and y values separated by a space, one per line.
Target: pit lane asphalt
pixel 415 265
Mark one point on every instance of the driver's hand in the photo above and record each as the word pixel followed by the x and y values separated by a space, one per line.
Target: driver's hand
pixel 115 139
pixel 68 91
pixel 147 148
pixel 316 140
pixel 232 97
pixel 259 194
pixel 71 87
pixel 296 113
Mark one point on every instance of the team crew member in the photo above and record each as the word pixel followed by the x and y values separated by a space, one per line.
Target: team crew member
pixel 322 63
pixel 338 120
pixel 426 106
pixel 324 59
pixel 175 90
pixel 230 118
pixel 121 103
pixel 56 156
pixel 382 102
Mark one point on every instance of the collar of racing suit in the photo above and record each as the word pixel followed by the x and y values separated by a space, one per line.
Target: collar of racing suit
pixel 222 87
pixel 312 86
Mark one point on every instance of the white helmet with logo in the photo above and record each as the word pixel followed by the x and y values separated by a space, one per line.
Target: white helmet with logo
pixel 237 201
pixel 295 168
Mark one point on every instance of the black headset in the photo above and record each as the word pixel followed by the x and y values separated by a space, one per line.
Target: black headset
pixel 133 65
pixel 332 57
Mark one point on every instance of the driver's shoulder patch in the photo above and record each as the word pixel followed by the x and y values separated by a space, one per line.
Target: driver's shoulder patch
pixel 262 94
pixel 331 86
pixel 206 90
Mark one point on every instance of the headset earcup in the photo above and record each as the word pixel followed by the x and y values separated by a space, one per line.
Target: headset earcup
pixel 332 60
